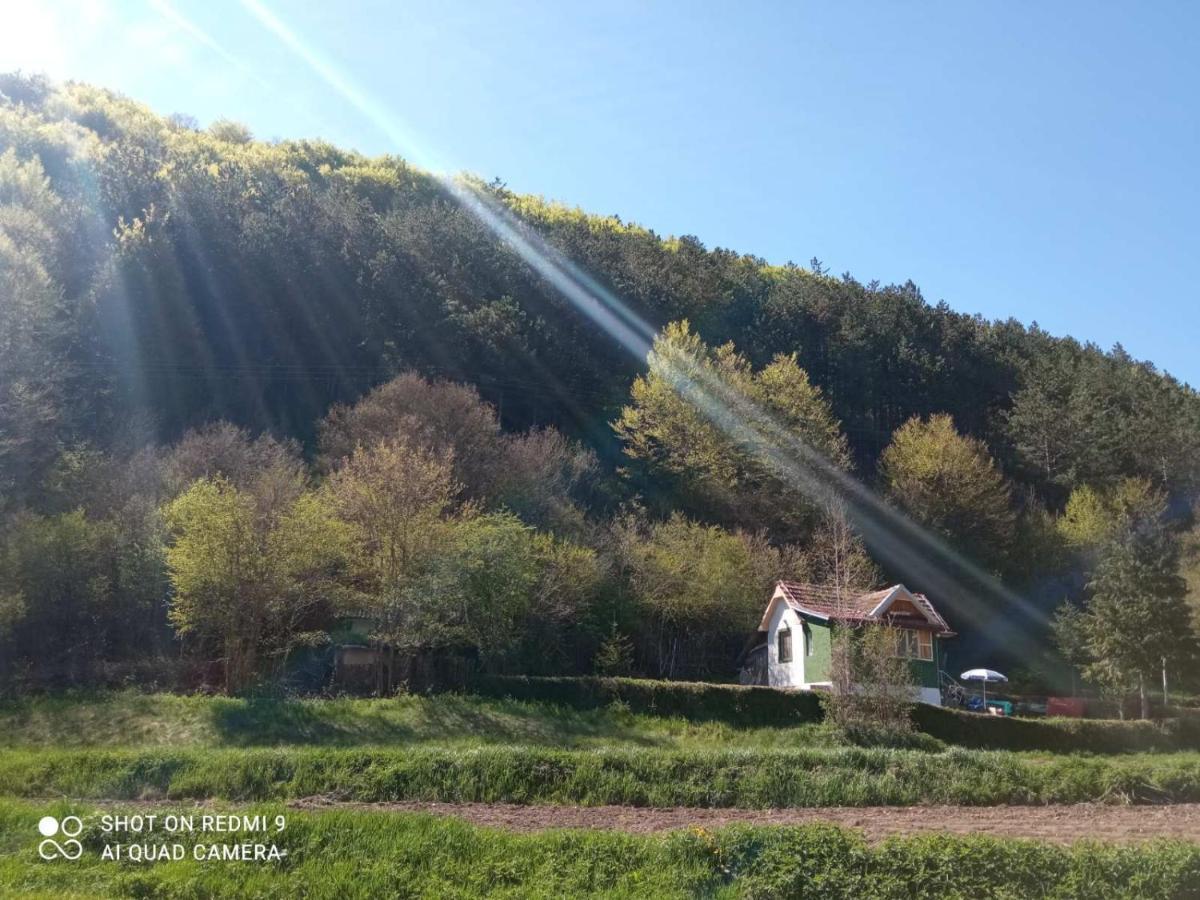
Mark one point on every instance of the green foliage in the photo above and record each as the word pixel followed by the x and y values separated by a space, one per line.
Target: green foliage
pixel 12 611
pixel 438 579
pixel 230 132
pixel 1094 517
pixel 474 590
pixel 33 336
pixel 873 687
pixel 332 271
pixel 1190 567
pixel 694 584
pixel 1136 621
pixel 551 712
pixel 614 657
pixel 394 497
pixel 721 466
pixel 1085 418
pixel 689 593
pixel 565 611
pixel 828 862
pixel 950 484
pixel 1056 735
pixel 76 591
pixel 249 580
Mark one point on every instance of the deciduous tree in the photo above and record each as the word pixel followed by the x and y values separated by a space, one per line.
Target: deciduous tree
pixel 949 483
pixel 248 582
pixel 695 417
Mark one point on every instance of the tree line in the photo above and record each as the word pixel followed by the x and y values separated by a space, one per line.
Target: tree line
pixel 215 559
pixel 349 322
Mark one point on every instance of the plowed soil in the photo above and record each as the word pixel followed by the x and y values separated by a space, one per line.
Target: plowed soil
pixel 1061 824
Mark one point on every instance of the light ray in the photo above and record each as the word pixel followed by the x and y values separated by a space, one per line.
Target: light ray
pixel 189 27
pixel 376 114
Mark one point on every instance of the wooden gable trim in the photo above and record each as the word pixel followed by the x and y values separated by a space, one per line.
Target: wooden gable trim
pixel 901 593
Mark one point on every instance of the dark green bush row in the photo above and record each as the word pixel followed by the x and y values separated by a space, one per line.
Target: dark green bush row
pixel 735 704
pixel 760 706
pixel 651 777
pixel 1057 735
pixel 357 854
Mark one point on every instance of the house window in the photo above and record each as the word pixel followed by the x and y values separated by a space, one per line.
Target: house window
pixel 785 644
pixel 925 645
pixel 914 644
pixel 808 644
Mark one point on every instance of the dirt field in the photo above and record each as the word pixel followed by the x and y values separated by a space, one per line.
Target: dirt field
pixel 1061 824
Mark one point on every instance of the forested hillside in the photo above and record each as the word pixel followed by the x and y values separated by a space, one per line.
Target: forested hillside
pixel 209 342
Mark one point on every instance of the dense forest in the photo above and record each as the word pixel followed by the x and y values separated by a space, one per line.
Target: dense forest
pixel 248 388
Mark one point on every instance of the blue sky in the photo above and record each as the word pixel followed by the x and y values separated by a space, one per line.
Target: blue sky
pixel 1014 159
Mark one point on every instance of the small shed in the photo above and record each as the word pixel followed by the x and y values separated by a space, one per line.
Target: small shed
pixel 795 636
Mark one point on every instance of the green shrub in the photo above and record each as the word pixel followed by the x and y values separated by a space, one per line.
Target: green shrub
pixel 1056 735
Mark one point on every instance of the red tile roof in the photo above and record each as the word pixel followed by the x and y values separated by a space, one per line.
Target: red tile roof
pixel 858 605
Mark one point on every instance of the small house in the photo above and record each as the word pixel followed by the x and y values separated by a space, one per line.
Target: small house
pixel 795 638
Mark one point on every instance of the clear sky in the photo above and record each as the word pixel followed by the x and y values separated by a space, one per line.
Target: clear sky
pixel 1026 159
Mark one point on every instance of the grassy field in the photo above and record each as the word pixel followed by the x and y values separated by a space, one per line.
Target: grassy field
pixel 460 748
pixel 162 750
pixel 365 854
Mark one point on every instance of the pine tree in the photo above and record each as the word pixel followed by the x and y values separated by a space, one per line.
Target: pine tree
pixel 1137 622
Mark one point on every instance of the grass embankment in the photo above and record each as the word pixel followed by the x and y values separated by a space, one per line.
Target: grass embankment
pixel 563 713
pixel 709 778
pixel 362 854
pixel 128 719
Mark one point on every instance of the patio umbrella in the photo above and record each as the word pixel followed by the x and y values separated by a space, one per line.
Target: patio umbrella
pixel 986 676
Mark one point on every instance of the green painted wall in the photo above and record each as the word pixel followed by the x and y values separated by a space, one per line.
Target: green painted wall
pixel 817 666
pixel 925 671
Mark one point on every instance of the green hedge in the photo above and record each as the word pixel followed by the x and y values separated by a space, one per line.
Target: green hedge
pixel 359 854
pixel 761 706
pixel 734 704
pixel 1057 735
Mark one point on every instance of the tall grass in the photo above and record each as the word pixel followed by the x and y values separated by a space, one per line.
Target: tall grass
pixel 709 778
pixel 349 855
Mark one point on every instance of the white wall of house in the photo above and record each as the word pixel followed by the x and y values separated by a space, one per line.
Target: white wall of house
pixel 785 674
pixel 791 674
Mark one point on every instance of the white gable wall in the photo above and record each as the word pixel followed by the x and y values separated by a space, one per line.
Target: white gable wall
pixel 785 674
